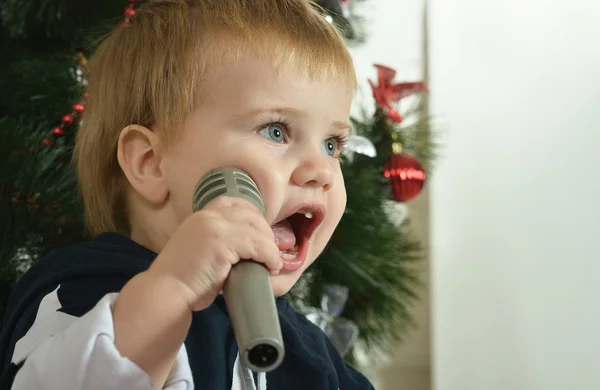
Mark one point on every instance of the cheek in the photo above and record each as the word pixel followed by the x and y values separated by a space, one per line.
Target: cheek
pixel 327 229
pixel 181 197
pixel 335 211
pixel 271 179
pixel 182 180
pixel 338 201
pixel 272 183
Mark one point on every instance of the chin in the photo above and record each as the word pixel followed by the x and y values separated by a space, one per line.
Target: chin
pixel 283 283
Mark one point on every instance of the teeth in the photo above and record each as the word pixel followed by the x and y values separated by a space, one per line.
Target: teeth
pixel 290 254
pixel 307 214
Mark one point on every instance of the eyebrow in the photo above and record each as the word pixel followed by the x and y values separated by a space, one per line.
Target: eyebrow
pixel 291 112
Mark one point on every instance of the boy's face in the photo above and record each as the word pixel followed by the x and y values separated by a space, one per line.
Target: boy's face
pixel 281 129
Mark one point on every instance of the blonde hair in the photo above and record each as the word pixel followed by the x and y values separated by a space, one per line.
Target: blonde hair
pixel 150 73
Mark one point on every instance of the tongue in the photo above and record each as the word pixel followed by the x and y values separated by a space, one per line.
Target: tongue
pixel 284 235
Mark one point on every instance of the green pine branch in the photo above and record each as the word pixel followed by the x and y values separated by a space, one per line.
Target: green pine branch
pixel 39 205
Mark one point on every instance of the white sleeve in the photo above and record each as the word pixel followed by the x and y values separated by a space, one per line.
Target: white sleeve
pixel 82 355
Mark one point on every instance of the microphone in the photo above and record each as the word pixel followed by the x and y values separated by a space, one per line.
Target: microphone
pixel 248 291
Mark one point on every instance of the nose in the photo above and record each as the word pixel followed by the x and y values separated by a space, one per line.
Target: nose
pixel 313 172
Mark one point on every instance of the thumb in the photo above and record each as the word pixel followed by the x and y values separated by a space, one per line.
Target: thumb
pixel 230 201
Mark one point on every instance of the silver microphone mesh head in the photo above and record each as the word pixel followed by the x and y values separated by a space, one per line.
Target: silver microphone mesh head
pixel 226 181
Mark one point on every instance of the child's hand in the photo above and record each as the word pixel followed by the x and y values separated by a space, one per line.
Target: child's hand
pixel 152 314
pixel 201 252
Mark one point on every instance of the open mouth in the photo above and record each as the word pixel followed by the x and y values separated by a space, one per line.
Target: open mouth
pixel 293 235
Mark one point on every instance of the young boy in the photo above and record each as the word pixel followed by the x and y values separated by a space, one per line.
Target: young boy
pixel 191 85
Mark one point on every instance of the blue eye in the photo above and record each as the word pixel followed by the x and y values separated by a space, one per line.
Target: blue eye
pixel 330 146
pixel 274 132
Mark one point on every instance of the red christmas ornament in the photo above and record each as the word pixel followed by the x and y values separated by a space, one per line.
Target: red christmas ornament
pixel 78 108
pixel 67 119
pixel 57 131
pixel 129 13
pixel 86 95
pixel 386 92
pixel 134 2
pixel 47 142
pixel 406 176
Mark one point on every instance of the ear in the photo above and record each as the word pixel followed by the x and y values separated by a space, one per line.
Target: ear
pixel 139 155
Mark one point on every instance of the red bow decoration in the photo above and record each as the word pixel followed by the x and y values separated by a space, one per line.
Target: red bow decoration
pixel 386 92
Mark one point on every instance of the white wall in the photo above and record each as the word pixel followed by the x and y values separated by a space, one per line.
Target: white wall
pixel 394 39
pixel 515 200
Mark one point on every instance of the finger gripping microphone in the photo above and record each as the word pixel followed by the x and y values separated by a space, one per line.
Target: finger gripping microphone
pixel 248 291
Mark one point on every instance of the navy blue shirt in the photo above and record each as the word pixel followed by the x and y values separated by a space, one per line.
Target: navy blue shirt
pixel 87 272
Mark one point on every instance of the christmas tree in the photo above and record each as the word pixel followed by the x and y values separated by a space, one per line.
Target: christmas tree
pixel 366 272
